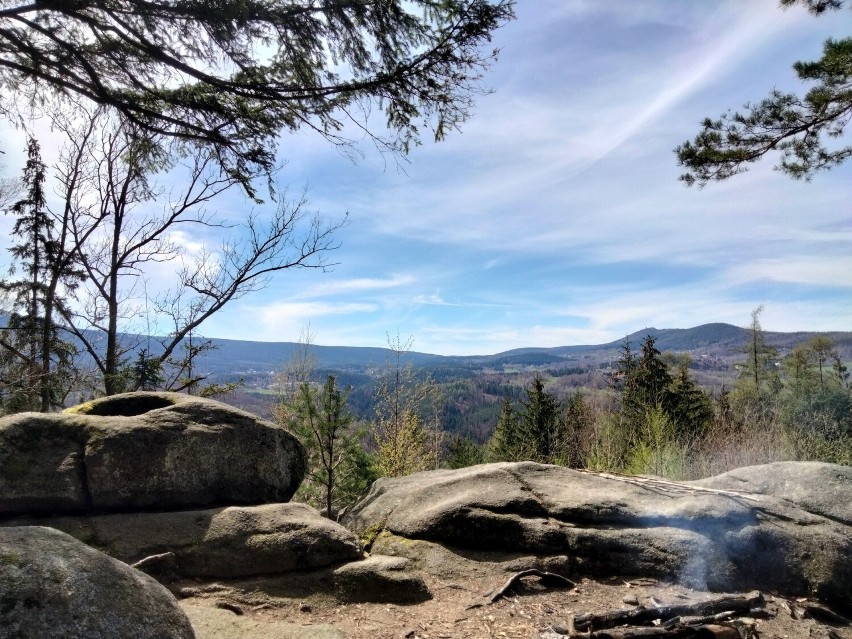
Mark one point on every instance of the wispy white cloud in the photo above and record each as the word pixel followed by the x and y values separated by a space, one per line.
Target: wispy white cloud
pixel 487 340
pixel 729 36
pixel 358 285
pixel 281 321
pixel 809 270
pixel 433 299
pixel 273 313
pixel 186 242
pixel 515 179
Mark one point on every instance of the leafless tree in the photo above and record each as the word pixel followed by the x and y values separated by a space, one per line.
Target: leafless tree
pixel 122 224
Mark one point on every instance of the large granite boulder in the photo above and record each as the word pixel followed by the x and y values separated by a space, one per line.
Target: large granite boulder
pixel 51 585
pixel 238 541
pixel 611 525
pixel 824 489
pixel 144 451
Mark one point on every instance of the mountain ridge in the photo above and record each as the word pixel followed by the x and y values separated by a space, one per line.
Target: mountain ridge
pixel 719 337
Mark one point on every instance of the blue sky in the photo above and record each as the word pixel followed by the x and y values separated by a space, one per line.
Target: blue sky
pixel 555 217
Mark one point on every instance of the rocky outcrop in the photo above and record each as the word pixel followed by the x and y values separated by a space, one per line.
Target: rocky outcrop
pixel 284 542
pixel 144 451
pixel 610 525
pixel 823 489
pixel 217 543
pixel 51 585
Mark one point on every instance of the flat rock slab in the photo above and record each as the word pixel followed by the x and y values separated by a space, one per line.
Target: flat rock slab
pixel 380 579
pixel 144 451
pixel 219 543
pixel 51 585
pixel 612 525
pixel 376 579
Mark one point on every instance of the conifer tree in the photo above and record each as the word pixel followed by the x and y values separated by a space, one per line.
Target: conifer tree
pixel 463 452
pixel 534 433
pixel 37 362
pixel 650 391
pixel 577 425
pixel 725 419
pixel 689 407
pixel 643 381
pixel 757 374
pixel 651 377
pixel 622 376
pixel 339 470
pixel 147 371
pixel 506 442
pixel 323 422
pixel 540 426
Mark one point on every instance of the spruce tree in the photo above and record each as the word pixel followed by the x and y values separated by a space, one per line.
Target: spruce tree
pixel 651 378
pixel 621 378
pixel 577 426
pixel 643 382
pixel 463 452
pixel 688 406
pixel 37 362
pixel 506 443
pixel 540 426
pixel 338 471
pixel 147 371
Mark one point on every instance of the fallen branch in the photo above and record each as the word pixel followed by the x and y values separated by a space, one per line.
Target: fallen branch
pixel 639 616
pixel 711 631
pixel 727 615
pixel 224 605
pixel 532 572
pixel 803 609
pixel 823 614
pixel 163 560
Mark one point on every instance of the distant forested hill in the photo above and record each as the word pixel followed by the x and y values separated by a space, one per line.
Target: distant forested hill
pixel 237 355
pixel 720 340
pixel 472 388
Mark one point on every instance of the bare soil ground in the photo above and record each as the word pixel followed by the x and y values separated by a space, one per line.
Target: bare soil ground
pixel 460 609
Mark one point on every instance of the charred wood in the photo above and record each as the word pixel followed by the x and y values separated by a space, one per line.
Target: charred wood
pixel 709 631
pixel 733 604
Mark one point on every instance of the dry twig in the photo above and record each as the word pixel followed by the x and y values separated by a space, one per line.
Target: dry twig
pixel 163 560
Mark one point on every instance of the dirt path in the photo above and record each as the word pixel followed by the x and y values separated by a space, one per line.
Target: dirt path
pixel 458 610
